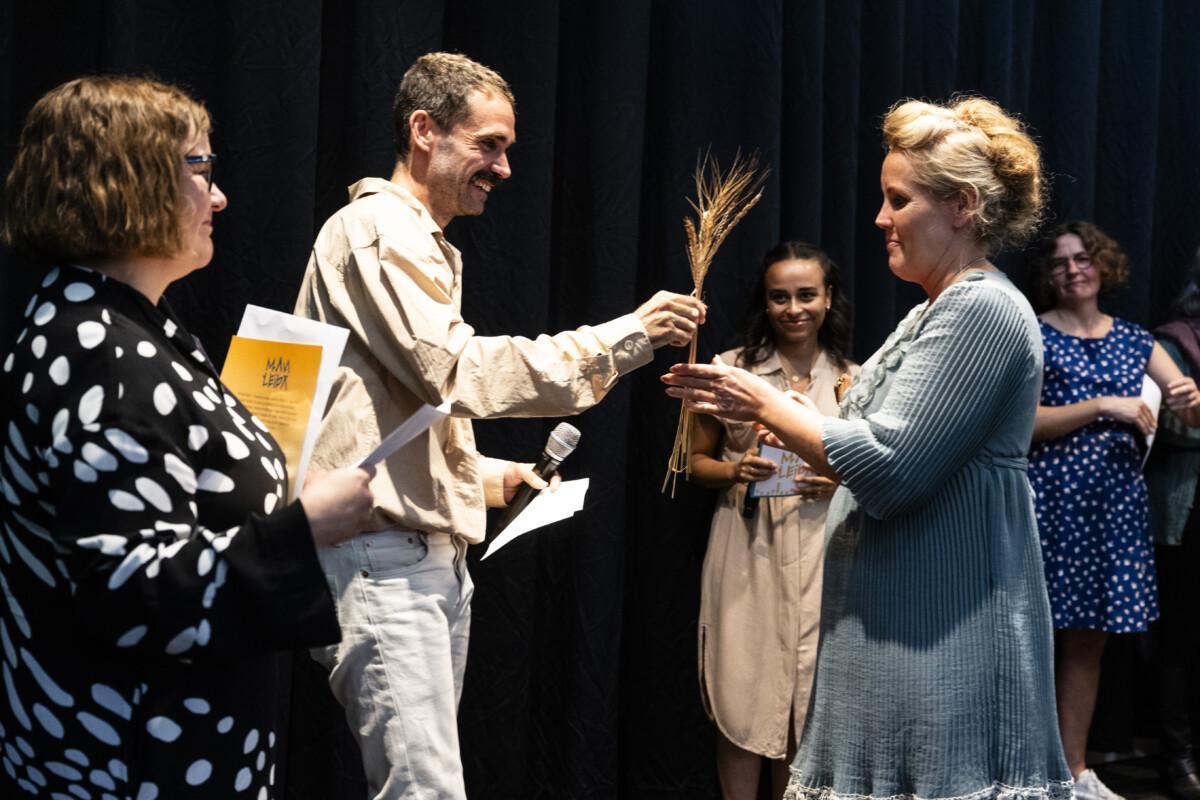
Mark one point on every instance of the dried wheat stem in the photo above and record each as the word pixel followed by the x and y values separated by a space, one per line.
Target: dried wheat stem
pixel 722 201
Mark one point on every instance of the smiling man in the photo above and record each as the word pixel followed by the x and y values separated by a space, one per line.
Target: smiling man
pixel 382 268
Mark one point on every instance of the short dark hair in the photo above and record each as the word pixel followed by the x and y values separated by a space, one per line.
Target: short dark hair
pixel 441 84
pixel 97 170
pixel 1107 256
pixel 758 338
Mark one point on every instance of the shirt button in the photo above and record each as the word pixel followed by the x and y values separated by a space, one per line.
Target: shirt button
pixel 366 574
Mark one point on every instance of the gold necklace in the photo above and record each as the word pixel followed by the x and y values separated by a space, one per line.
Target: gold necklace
pixel 794 379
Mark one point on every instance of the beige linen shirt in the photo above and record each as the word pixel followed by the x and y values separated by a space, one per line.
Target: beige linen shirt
pixel 382 268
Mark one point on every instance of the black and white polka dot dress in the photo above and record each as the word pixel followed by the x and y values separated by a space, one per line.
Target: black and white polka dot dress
pixel 149 568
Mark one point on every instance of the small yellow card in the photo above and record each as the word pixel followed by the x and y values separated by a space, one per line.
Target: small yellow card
pixel 276 381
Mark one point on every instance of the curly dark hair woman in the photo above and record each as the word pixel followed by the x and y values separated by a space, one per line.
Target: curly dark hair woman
pixel 1100 250
pixel 1086 467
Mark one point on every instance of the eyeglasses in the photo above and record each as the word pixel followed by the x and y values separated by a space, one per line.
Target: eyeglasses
pixel 202 165
pixel 1059 265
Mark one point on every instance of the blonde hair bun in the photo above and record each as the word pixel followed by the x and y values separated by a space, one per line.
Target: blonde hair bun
pixel 971 144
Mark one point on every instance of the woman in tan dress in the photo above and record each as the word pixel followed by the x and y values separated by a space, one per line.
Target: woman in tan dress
pixel 761 588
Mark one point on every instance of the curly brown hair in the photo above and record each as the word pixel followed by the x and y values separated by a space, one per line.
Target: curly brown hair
pixel 97 171
pixel 1109 259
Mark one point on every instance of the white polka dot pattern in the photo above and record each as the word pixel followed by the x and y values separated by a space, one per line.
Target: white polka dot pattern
pixel 122 479
pixel 1090 494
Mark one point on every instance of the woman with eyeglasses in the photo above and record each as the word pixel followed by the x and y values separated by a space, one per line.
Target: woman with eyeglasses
pixel 150 568
pixel 1085 468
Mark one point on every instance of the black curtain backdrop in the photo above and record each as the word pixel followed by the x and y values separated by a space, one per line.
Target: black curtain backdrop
pixel 582 677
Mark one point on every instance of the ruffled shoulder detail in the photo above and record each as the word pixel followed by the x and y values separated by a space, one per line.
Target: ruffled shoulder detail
pixel 858 398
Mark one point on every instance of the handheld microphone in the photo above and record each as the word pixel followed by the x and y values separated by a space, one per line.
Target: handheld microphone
pixel 562 442
pixel 749 503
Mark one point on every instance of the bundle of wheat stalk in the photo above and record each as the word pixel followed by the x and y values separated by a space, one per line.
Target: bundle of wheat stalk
pixel 721 202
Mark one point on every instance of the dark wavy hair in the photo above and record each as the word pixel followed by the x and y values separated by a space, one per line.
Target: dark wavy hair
pixel 1107 256
pixel 758 339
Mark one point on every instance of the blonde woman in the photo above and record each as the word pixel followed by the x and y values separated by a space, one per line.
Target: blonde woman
pixel 935 676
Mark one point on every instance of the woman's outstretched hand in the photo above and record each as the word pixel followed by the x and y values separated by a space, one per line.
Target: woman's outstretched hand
pixel 719 389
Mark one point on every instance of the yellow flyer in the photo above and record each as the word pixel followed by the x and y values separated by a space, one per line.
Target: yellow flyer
pixel 276 381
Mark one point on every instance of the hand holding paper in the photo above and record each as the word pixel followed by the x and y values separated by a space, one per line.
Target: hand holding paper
pixel 295 396
pixel 337 503
pixel 544 509
pixel 783 482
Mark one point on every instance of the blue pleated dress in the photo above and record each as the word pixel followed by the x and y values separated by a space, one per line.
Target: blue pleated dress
pixel 935 670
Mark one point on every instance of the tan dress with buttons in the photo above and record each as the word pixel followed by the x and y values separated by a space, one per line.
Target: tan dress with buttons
pixel 760 597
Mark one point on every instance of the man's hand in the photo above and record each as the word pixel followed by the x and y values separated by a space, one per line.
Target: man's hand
pixel 518 473
pixel 671 318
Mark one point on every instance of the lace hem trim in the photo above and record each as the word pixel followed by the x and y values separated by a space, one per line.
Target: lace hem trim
pixel 1054 790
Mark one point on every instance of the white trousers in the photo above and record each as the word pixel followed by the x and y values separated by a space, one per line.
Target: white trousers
pixel 404 605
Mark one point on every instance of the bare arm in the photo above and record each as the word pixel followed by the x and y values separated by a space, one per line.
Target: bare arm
pixel 1179 394
pixel 707 470
pixel 798 427
pixel 714 473
pixel 1052 422
pixel 1179 391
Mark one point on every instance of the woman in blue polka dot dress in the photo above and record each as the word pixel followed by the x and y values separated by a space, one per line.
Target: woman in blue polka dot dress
pixel 1085 467
pixel 150 570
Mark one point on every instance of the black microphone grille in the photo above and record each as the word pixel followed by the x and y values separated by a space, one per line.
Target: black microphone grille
pixel 563 441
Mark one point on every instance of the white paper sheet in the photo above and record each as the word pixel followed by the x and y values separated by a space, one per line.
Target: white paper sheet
pixel 1152 397
pixel 545 508
pixel 783 482
pixel 266 323
pixel 408 430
